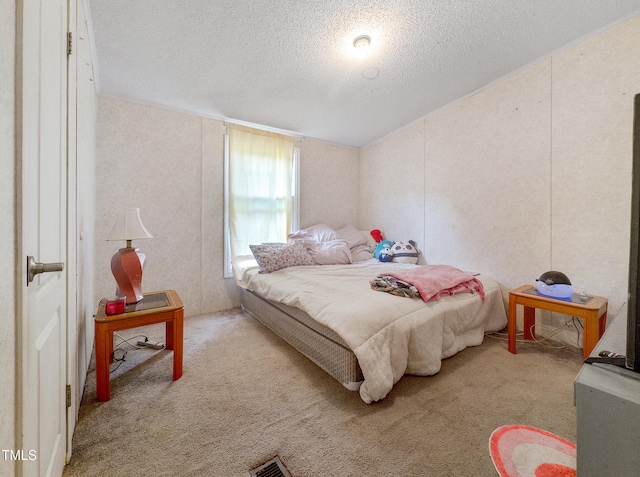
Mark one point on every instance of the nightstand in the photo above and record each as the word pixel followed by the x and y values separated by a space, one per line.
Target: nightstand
pixel 155 307
pixel 591 309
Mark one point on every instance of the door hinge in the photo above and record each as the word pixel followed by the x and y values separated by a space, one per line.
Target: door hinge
pixel 69 43
pixel 68 395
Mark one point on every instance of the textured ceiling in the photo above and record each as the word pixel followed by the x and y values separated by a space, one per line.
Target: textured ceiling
pixel 291 64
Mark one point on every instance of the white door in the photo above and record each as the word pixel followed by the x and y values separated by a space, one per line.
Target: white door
pixel 41 106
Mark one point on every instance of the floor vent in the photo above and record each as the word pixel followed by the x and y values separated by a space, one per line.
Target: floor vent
pixel 271 468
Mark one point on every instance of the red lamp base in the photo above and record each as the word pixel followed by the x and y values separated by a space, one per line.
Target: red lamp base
pixel 126 266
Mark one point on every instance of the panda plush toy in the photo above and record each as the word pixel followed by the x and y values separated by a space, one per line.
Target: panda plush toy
pixel 405 252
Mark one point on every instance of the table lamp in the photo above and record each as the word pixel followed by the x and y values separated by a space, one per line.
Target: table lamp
pixel 127 263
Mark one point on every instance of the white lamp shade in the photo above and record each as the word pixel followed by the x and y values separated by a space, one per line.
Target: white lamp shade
pixel 128 226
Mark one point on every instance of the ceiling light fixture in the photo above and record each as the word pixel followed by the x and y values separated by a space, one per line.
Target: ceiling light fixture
pixel 362 41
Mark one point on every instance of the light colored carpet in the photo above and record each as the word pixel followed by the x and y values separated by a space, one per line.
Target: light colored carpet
pixel 246 396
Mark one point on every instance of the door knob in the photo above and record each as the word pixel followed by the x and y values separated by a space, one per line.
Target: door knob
pixel 33 268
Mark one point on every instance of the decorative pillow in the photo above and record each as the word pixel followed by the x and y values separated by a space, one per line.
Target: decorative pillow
pixel 352 235
pixel 329 253
pixel 276 256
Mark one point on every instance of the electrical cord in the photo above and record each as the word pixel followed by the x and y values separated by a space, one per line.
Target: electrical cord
pixel 540 341
pixel 504 336
pixel 126 340
pixel 123 354
pixel 574 320
pixel 119 360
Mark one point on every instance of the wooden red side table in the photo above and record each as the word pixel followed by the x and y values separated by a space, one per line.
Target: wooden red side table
pixel 591 309
pixel 156 307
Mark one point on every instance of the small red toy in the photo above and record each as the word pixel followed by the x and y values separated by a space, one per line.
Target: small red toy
pixel 377 235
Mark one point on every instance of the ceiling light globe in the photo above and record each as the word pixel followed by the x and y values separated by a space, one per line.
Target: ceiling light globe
pixel 362 41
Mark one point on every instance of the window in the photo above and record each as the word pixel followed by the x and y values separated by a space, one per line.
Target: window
pixel 261 189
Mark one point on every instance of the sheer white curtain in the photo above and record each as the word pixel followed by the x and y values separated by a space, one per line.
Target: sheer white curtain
pixel 260 208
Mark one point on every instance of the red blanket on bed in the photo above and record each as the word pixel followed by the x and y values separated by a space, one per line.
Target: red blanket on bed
pixel 434 281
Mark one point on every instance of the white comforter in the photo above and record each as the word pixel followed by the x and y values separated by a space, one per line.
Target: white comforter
pixel 390 335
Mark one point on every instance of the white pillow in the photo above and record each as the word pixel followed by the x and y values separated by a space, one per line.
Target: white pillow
pixel 317 233
pixel 329 253
pixel 352 235
pixel 370 240
pixel 361 252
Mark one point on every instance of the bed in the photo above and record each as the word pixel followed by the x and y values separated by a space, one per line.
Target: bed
pixel 366 339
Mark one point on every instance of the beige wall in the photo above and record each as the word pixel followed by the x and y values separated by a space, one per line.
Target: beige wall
pixel 486 181
pixel 329 184
pixel 594 85
pixel 170 164
pixel 528 175
pixel 153 159
pixel 7 232
pixel 392 195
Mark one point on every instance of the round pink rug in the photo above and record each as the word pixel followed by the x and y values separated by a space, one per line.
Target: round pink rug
pixel 523 451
